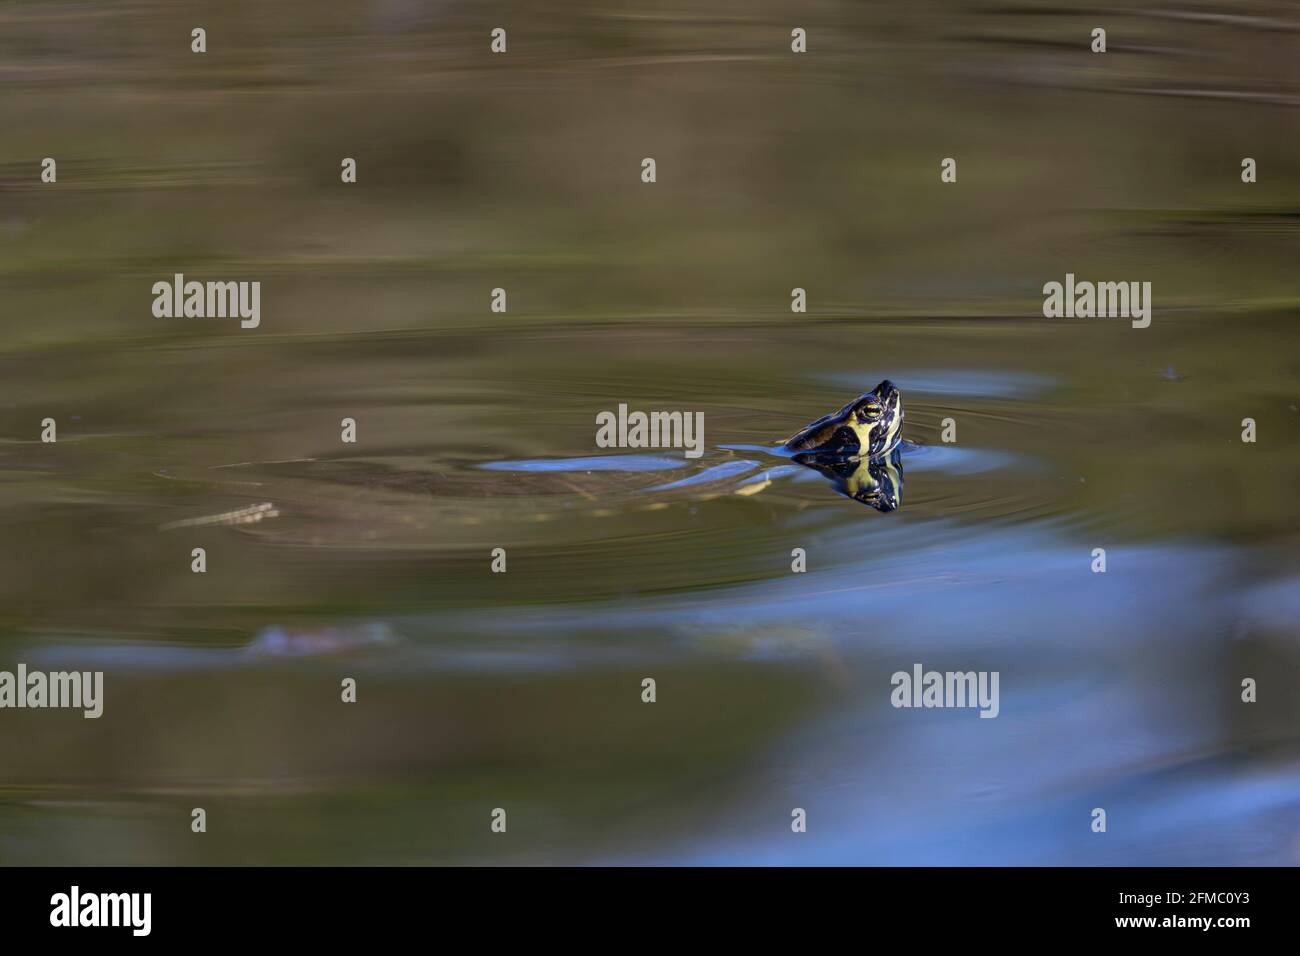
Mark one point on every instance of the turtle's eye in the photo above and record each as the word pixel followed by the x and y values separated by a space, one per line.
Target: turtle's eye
pixel 869 411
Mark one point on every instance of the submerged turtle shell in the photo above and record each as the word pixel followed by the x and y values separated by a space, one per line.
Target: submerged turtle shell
pixel 394 503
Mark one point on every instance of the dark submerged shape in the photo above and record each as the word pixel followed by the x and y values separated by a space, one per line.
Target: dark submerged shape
pixel 870 426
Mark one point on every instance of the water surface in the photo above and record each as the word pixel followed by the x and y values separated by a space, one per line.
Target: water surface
pixel 477 431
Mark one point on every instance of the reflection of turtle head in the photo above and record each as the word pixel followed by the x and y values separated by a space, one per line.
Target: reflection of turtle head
pixel 870 426
pixel 877 482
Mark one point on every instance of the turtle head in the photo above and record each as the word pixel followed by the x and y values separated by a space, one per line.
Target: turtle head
pixel 869 427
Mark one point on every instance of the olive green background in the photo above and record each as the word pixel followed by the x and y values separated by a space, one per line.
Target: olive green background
pixel 775 171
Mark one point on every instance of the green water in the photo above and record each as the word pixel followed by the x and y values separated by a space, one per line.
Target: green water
pixel 522 690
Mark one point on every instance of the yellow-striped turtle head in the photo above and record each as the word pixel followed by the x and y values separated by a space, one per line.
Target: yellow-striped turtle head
pixel 870 426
